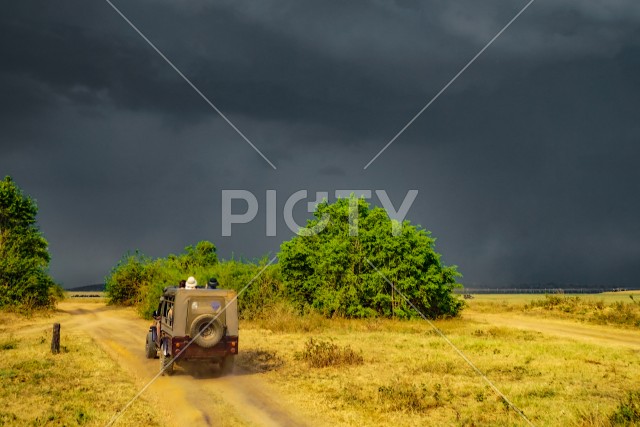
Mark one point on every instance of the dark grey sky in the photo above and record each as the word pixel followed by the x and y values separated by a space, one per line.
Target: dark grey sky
pixel 527 166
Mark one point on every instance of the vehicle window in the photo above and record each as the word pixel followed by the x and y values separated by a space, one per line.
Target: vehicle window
pixel 167 311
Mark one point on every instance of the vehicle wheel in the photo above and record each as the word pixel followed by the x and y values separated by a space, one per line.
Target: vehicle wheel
pixel 227 365
pixel 166 364
pixel 206 331
pixel 150 347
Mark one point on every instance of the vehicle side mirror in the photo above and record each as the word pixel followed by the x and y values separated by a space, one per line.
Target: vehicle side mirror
pixel 155 313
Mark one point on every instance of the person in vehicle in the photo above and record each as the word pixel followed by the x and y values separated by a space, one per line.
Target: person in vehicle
pixel 181 285
pixel 212 283
pixel 191 283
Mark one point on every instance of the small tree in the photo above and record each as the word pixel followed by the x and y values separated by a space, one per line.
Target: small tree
pixel 126 280
pixel 24 255
pixel 138 280
pixel 331 271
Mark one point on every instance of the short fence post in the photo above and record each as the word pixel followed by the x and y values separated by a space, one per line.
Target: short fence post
pixel 55 340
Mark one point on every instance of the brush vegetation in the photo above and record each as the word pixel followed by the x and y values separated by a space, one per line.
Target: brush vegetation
pixel 322 353
pixel 333 271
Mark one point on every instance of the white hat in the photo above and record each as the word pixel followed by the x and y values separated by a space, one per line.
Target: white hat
pixel 191 283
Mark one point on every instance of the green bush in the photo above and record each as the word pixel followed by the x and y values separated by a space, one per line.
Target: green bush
pixel 138 280
pixel 343 274
pixel 329 273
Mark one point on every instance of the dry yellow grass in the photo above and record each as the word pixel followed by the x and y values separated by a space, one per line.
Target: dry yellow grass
pixel 410 376
pixel 79 386
pixel 619 309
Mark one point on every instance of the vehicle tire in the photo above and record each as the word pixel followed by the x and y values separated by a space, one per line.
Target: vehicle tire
pixel 205 331
pixel 150 347
pixel 166 364
pixel 227 365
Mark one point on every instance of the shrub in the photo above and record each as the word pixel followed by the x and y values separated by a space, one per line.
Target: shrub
pixel 9 344
pixel 402 396
pixel 332 271
pixel 321 354
pixel 628 410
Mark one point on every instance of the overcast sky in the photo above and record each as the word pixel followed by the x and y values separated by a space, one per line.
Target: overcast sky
pixel 526 166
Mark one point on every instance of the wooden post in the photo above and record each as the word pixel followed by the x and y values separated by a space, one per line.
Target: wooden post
pixel 55 340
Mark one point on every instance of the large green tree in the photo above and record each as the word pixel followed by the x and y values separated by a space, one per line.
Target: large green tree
pixel 24 256
pixel 329 265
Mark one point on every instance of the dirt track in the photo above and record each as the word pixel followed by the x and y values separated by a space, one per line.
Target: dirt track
pixel 564 328
pixel 197 397
pixel 200 398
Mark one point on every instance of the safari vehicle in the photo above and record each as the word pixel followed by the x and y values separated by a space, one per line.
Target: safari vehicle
pixel 195 325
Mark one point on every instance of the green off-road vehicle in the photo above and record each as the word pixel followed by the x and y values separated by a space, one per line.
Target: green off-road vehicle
pixel 195 324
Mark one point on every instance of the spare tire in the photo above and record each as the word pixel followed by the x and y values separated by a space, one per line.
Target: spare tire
pixel 205 331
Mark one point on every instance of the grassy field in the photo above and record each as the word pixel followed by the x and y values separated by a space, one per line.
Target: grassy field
pixel 522 299
pixel 414 378
pixel 410 376
pixel 621 309
pixel 81 385
pixel 357 372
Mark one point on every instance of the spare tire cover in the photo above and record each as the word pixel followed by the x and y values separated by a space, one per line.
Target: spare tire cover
pixel 205 331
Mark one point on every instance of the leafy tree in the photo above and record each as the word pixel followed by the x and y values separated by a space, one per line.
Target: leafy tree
pixel 331 268
pixel 24 256
pixel 203 255
pixel 127 278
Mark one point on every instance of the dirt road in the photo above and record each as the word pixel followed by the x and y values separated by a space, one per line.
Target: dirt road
pixel 192 396
pixel 564 328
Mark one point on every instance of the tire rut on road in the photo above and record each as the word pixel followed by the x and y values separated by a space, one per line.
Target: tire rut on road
pixel 190 394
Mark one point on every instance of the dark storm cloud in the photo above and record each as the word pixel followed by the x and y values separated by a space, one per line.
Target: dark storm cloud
pixel 526 166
